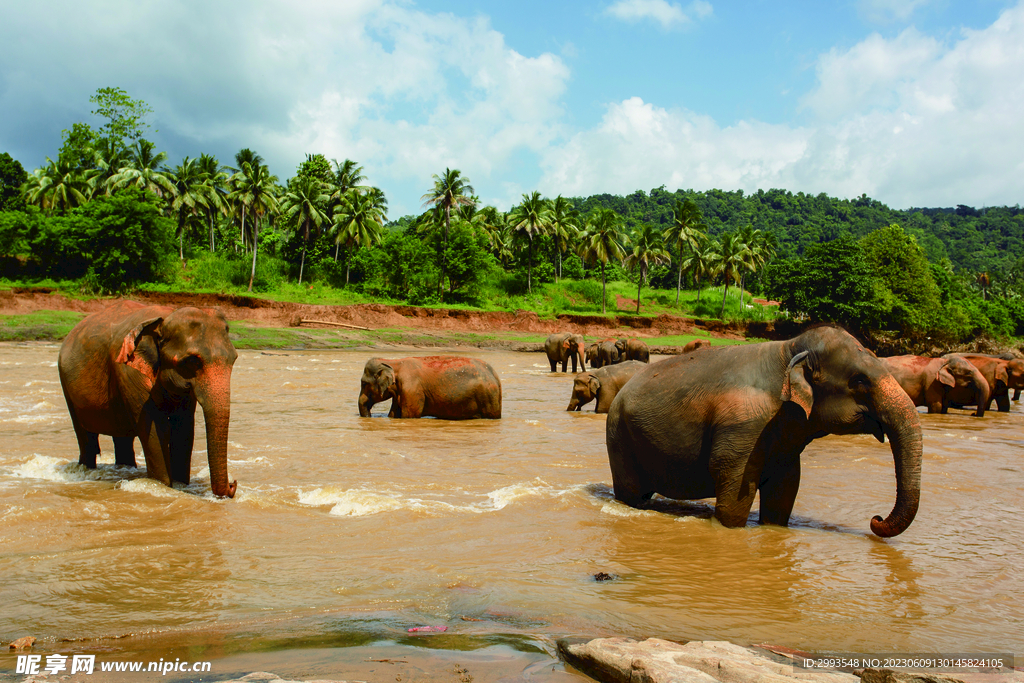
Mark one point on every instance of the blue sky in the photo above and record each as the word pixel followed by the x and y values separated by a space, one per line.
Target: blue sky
pixel 913 102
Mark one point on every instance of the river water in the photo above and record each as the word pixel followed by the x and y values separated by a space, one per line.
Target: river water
pixel 348 530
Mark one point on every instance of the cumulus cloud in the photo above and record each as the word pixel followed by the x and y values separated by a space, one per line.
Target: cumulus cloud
pixel 910 121
pixel 665 13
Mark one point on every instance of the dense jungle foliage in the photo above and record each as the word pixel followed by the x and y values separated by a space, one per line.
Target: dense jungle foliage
pixel 110 215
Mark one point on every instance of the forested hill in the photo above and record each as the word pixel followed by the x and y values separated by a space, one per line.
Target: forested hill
pixel 988 239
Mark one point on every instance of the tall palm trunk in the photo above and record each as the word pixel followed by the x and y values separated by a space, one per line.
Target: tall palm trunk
pixel 181 235
pixel 679 281
pixel 529 266
pixel 639 284
pixel 255 248
pixel 242 236
pixel 725 293
pixel 211 232
pixel 604 291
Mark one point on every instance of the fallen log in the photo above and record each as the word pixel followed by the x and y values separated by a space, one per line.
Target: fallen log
pixel 328 322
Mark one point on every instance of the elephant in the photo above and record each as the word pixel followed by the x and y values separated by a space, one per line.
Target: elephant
pixel 732 421
pixel 938 382
pixel 633 349
pixel 608 353
pixel 602 384
pixel 1010 356
pixel 1001 375
pixel 592 356
pixel 133 370
pixel 449 387
pixel 696 344
pixel 560 347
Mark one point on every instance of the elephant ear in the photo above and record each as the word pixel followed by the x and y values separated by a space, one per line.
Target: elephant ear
pixel 795 386
pixel 384 379
pixel 594 384
pixel 1001 374
pixel 128 355
pixel 565 343
pixel 945 377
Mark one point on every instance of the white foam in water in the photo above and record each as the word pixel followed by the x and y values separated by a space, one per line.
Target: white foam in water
pixel 54 469
pixel 152 487
pixel 351 502
pixel 509 494
pixel 33 382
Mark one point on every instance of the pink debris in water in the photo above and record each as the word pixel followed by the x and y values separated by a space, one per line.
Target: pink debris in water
pixel 428 629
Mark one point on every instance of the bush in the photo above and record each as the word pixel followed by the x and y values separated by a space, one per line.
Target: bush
pixel 588 290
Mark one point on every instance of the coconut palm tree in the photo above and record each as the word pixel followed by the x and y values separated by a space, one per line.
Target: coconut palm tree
pixel 451 190
pixel 531 218
pixel 190 194
pixel 215 187
pixel 564 227
pixel 143 170
pixel 687 232
pixel 733 258
pixel 645 251
pixel 243 157
pixel 57 186
pixel 303 205
pixel 358 222
pixel 700 262
pixel 348 176
pixel 603 242
pixel 254 190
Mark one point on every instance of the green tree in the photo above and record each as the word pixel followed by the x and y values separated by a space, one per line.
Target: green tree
pixel 57 186
pixel 190 195
pixel 451 190
pixel 733 257
pixel 358 223
pixel 12 177
pixel 254 190
pixel 530 219
pixel 215 184
pixel 646 250
pixel 603 242
pixel 303 206
pixel 564 226
pixel 143 170
pixel 687 233
pixel 700 263
pixel 901 267
pixel 126 123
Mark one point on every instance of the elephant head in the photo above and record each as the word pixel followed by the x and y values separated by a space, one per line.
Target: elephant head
pixel 584 390
pixel 959 373
pixel 377 384
pixel 575 344
pixel 188 355
pixel 842 388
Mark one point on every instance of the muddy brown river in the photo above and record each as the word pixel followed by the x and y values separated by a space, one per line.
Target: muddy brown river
pixel 348 530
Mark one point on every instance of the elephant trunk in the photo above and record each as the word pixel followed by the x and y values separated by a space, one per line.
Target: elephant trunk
pixel 364 404
pixel 581 351
pixel 900 422
pixel 214 395
pixel 982 394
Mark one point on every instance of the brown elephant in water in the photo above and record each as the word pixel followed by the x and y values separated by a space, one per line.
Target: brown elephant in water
pixel 449 387
pixel 561 347
pixel 731 421
pixel 138 371
pixel 938 382
pixel 696 344
pixel 602 384
pixel 608 353
pixel 593 357
pixel 1001 374
pixel 633 349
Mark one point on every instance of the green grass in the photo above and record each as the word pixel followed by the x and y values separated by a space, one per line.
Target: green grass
pixel 38 326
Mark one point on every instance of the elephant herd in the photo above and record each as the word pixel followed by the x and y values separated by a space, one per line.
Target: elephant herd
pixel 727 422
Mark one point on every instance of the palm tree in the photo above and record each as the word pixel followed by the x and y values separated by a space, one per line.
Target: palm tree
pixel 254 189
pixel 143 170
pixel 646 251
pixel 302 205
pixel 532 217
pixel 242 157
pixel 733 254
pixel 700 262
pixel 215 186
pixel 603 242
pixel 190 193
pixel 450 190
pixel 564 226
pixel 359 222
pixel 58 186
pixel 348 176
pixel 687 232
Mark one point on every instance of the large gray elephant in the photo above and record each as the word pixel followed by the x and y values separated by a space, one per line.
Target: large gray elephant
pixel 731 421
pixel 608 353
pixel 561 347
pixel 449 387
pixel 602 384
pixel 593 356
pixel 939 382
pixel 133 370
pixel 633 349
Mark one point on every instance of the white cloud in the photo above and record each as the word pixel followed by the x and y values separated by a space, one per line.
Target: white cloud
pixel 665 13
pixel 909 121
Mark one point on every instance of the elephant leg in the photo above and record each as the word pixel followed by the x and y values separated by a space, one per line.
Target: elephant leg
pixel 396 408
pixel 778 493
pixel 736 480
pixel 154 432
pixel 124 451
pixel 88 442
pixel 565 364
pixel 1003 403
pixel 554 364
pixel 573 363
pixel 1016 394
pixel 183 433
pixel 629 484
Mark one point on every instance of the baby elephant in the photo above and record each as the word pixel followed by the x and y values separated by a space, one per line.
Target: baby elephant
pixel 449 387
pixel 602 384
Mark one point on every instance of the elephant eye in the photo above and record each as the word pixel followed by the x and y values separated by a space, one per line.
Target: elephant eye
pixel 191 363
pixel 860 382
